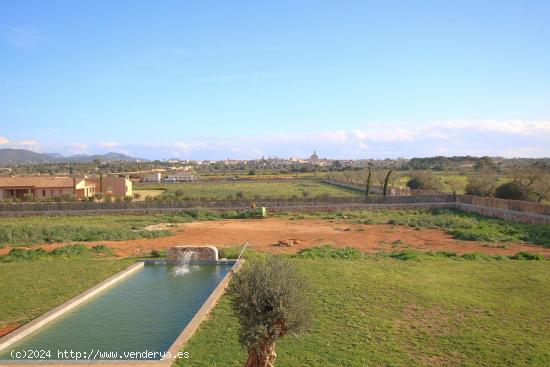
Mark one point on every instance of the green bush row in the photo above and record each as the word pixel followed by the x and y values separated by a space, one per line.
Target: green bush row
pixel 16 254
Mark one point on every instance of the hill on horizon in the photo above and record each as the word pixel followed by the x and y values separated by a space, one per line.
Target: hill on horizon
pixel 24 156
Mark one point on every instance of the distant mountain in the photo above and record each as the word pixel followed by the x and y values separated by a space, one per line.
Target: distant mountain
pixel 54 155
pixel 108 157
pixel 23 156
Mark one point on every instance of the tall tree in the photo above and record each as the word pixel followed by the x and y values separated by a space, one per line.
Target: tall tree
pixel 368 185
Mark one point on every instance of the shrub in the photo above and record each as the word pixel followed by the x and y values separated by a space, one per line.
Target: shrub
pixel 323 252
pixel 509 190
pixel 22 254
pixel 476 256
pixel 406 255
pixel 524 255
pixel 158 253
pixel 71 250
pixel 424 181
pixel 101 249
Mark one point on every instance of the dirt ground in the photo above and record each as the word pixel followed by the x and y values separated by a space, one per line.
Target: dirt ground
pixel 263 235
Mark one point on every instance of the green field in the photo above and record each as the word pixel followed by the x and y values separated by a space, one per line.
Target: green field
pixel 30 288
pixel 386 312
pixel 375 310
pixel 45 229
pixel 251 190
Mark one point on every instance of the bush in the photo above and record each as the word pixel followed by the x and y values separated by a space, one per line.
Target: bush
pixel 510 190
pixel 158 253
pixel 424 181
pixel 21 254
pixel 476 256
pixel 406 255
pixel 323 252
pixel 524 255
pixel 101 249
pixel 71 250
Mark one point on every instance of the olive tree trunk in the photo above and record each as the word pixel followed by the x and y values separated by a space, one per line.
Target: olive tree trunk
pixel 263 358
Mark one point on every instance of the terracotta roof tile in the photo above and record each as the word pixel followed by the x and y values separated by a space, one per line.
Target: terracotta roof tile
pixel 36 181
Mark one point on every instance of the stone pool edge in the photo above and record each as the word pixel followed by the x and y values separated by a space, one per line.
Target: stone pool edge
pixel 174 349
pixel 203 312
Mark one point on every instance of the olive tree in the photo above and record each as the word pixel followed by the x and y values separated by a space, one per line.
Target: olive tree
pixel 270 299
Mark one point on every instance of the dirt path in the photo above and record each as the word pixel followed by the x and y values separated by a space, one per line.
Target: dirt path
pixel 263 235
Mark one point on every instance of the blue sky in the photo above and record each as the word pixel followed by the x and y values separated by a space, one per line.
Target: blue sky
pixel 217 79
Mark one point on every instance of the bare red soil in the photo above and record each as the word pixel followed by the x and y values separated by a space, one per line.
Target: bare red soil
pixel 264 235
pixel 8 328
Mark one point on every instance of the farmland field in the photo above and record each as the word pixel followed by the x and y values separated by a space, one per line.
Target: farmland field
pixel 143 193
pixel 387 312
pixel 248 189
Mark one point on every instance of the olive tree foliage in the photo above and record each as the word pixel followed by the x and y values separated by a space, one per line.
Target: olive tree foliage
pixel 424 180
pixel 455 184
pixel 542 188
pixel 483 184
pixel 270 298
pixel 532 181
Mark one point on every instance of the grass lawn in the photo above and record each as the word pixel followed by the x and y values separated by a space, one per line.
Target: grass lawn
pixel 387 312
pixel 30 288
pixel 251 189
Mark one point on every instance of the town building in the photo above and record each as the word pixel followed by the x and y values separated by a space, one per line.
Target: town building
pixel 179 176
pixel 114 186
pixel 153 177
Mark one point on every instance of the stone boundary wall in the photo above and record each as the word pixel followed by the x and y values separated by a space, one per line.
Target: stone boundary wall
pixel 515 205
pixel 44 208
pixel 508 215
pixel 512 210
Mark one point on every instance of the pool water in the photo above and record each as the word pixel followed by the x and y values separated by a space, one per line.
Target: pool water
pixel 144 312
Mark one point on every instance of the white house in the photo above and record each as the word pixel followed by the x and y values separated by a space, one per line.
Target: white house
pixel 153 177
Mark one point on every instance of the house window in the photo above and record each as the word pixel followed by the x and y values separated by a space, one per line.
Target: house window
pixel 43 192
pixel 51 192
pixel 12 192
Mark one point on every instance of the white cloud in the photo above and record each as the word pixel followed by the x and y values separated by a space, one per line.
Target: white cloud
pixel 507 138
pixel 517 127
pixel 108 144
